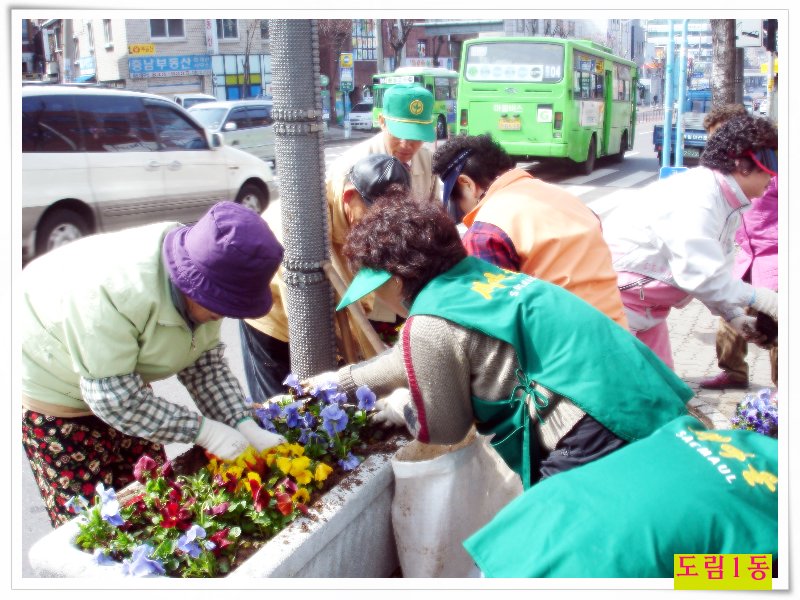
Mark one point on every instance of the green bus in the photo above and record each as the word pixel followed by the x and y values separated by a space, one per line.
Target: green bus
pixel 440 82
pixel 548 98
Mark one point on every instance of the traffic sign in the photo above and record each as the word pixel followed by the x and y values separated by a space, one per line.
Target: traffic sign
pixel 324 81
pixel 346 59
pixel 748 33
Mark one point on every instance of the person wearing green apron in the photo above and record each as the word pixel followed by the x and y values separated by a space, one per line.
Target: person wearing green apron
pixel 543 372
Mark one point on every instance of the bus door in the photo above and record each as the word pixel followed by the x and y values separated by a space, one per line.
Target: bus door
pixel 608 113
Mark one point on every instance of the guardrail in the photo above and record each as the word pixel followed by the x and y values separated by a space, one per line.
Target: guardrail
pixel 650 115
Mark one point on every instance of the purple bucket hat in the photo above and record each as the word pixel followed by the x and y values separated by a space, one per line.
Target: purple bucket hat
pixel 225 261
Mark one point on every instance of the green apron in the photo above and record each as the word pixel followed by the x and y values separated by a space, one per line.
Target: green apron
pixel 682 490
pixel 598 365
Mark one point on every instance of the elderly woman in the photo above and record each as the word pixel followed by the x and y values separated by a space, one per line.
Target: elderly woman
pixel 104 316
pixel 675 241
pixel 527 360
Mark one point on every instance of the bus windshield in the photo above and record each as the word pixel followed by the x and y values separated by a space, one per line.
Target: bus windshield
pixel 524 62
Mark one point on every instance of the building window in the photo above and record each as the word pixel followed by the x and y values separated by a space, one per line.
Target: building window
pixel 364 39
pixel 166 28
pixel 90 37
pixel 25 33
pixel 422 48
pixel 108 35
pixel 227 29
pixel 264 29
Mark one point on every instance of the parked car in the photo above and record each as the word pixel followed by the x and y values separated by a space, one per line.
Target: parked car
pixel 189 100
pixel 243 124
pixel 360 117
pixel 102 159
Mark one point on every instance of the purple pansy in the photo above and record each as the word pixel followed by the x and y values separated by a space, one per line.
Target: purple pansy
pixel 140 564
pixel 349 463
pixel 293 382
pixel 334 419
pixel 366 398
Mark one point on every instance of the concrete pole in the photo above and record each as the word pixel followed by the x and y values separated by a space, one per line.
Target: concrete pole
pixel 378 24
pixel 299 156
pixel 770 83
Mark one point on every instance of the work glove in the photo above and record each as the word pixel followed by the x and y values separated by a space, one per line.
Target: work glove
pixel 260 439
pixel 745 326
pixel 389 409
pixel 221 440
pixel 766 301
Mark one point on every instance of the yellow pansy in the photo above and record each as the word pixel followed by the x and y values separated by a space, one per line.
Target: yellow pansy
pixel 301 495
pixel 297 449
pixel 284 463
pixel 322 471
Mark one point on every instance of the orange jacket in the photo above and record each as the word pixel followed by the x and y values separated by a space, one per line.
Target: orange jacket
pixel 557 237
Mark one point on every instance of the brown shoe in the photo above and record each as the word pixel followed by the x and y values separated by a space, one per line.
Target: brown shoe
pixel 724 381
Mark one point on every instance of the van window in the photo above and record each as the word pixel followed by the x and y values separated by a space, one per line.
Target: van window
pixel 260 116
pixel 239 116
pixel 174 130
pixel 115 124
pixel 50 124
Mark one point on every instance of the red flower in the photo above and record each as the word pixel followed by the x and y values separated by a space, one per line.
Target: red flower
pixel 79 436
pixel 284 503
pixel 219 509
pixel 174 515
pixel 38 432
pixel 144 469
pixel 220 539
pixel 260 497
pixel 87 489
pixel 166 469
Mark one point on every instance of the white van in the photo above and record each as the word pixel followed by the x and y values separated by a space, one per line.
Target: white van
pixel 189 100
pixel 97 159
pixel 243 124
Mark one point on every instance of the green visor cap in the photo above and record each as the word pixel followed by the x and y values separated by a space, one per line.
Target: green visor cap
pixel 366 281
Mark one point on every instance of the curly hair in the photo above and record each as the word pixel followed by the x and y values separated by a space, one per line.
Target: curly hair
pixel 721 113
pixel 735 138
pixel 486 161
pixel 409 238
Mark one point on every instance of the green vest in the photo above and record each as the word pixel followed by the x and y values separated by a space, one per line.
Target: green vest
pixel 682 490
pixel 563 344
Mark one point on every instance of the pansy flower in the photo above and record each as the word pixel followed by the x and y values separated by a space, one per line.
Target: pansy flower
pixel 366 398
pixel 293 382
pixel 322 471
pixel 349 463
pixel 140 564
pixel 188 541
pixel 334 419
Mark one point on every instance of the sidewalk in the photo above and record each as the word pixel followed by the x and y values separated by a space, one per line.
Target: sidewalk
pixel 693 332
pixel 334 134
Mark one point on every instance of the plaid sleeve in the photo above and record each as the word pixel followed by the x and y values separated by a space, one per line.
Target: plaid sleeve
pixel 214 387
pixel 127 403
pixel 490 243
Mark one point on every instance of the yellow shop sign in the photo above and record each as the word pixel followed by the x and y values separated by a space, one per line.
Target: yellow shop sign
pixel 141 49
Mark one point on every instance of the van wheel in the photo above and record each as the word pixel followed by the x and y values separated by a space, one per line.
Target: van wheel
pixel 58 228
pixel 587 166
pixel 252 197
pixel 441 128
pixel 623 146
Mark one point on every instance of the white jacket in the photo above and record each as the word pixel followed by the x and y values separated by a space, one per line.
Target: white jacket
pixel 680 230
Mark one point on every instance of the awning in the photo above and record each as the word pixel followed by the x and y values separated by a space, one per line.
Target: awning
pixel 82 78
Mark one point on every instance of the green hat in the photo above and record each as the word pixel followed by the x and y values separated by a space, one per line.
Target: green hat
pixel 408 111
pixel 366 281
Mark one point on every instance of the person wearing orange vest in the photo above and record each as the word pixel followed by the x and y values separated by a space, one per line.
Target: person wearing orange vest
pixel 521 223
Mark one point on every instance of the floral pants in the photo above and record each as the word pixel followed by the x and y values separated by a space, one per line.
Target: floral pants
pixel 70 456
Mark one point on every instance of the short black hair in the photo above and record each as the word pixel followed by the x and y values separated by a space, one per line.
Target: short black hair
pixel 735 138
pixel 486 161
pixel 413 239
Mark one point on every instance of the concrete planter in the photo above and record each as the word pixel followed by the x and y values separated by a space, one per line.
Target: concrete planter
pixel 349 536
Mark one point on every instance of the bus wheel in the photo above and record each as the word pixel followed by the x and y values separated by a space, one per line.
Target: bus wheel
pixel 441 128
pixel 587 166
pixel 623 146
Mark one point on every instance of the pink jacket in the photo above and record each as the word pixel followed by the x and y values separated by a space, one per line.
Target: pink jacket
pixel 758 239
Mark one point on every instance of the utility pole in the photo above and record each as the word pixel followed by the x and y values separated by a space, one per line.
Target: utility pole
pixel 378 45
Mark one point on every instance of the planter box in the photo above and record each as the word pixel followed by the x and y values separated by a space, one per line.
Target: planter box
pixel 349 536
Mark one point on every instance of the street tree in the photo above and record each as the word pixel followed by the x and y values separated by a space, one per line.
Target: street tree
pixel 254 27
pixel 723 42
pixel 398 36
pixel 334 33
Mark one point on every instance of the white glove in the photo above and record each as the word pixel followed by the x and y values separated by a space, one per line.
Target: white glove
pixel 260 439
pixel 766 301
pixel 220 439
pixel 745 326
pixel 389 409
pixel 315 381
